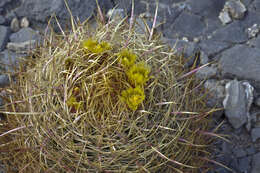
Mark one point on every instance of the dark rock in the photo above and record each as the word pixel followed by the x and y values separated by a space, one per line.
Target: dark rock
pixel 255 134
pixel 206 72
pixel 4 34
pixel 221 170
pixel 232 33
pixel 226 148
pixel 224 159
pixel 244 164
pixel 186 48
pixel 204 59
pixel 255 163
pixel 166 15
pixel 215 94
pixel 249 20
pixel 140 6
pixel 235 8
pixel 170 1
pixel 209 9
pixel 4 2
pixel 211 47
pixel 239 152
pixel 234 164
pixel 4 80
pixel 211 25
pixel 41 10
pixel 250 150
pixel 242 62
pixel 188 25
pixel 235 104
pixel 255 5
pixel 140 26
pixel 10 60
pixel 24 34
pixel 2 20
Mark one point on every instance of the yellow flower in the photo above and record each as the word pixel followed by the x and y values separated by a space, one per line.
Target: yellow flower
pixel 133 97
pixel 90 45
pixel 138 74
pixel 72 102
pixel 93 46
pixel 127 58
pixel 102 47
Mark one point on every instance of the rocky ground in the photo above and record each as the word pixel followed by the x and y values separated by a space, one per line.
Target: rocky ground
pixel 221 31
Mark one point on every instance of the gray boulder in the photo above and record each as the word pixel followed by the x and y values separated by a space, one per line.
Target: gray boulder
pixel 232 33
pixel 10 60
pixel 255 163
pixel 206 72
pixel 42 10
pixel 242 62
pixel 187 25
pixel 255 134
pixel 24 34
pixel 212 47
pixel 186 48
pixel 4 34
pixel 209 9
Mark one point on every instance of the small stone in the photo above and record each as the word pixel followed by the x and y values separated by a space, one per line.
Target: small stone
pixel 253 31
pixel 196 40
pixel 236 8
pixel 4 34
pixel 206 72
pixel 224 17
pixel 24 34
pixel 22 47
pixel 255 163
pixel 235 104
pixel 255 134
pixel 24 22
pixel 15 25
pixel 4 80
